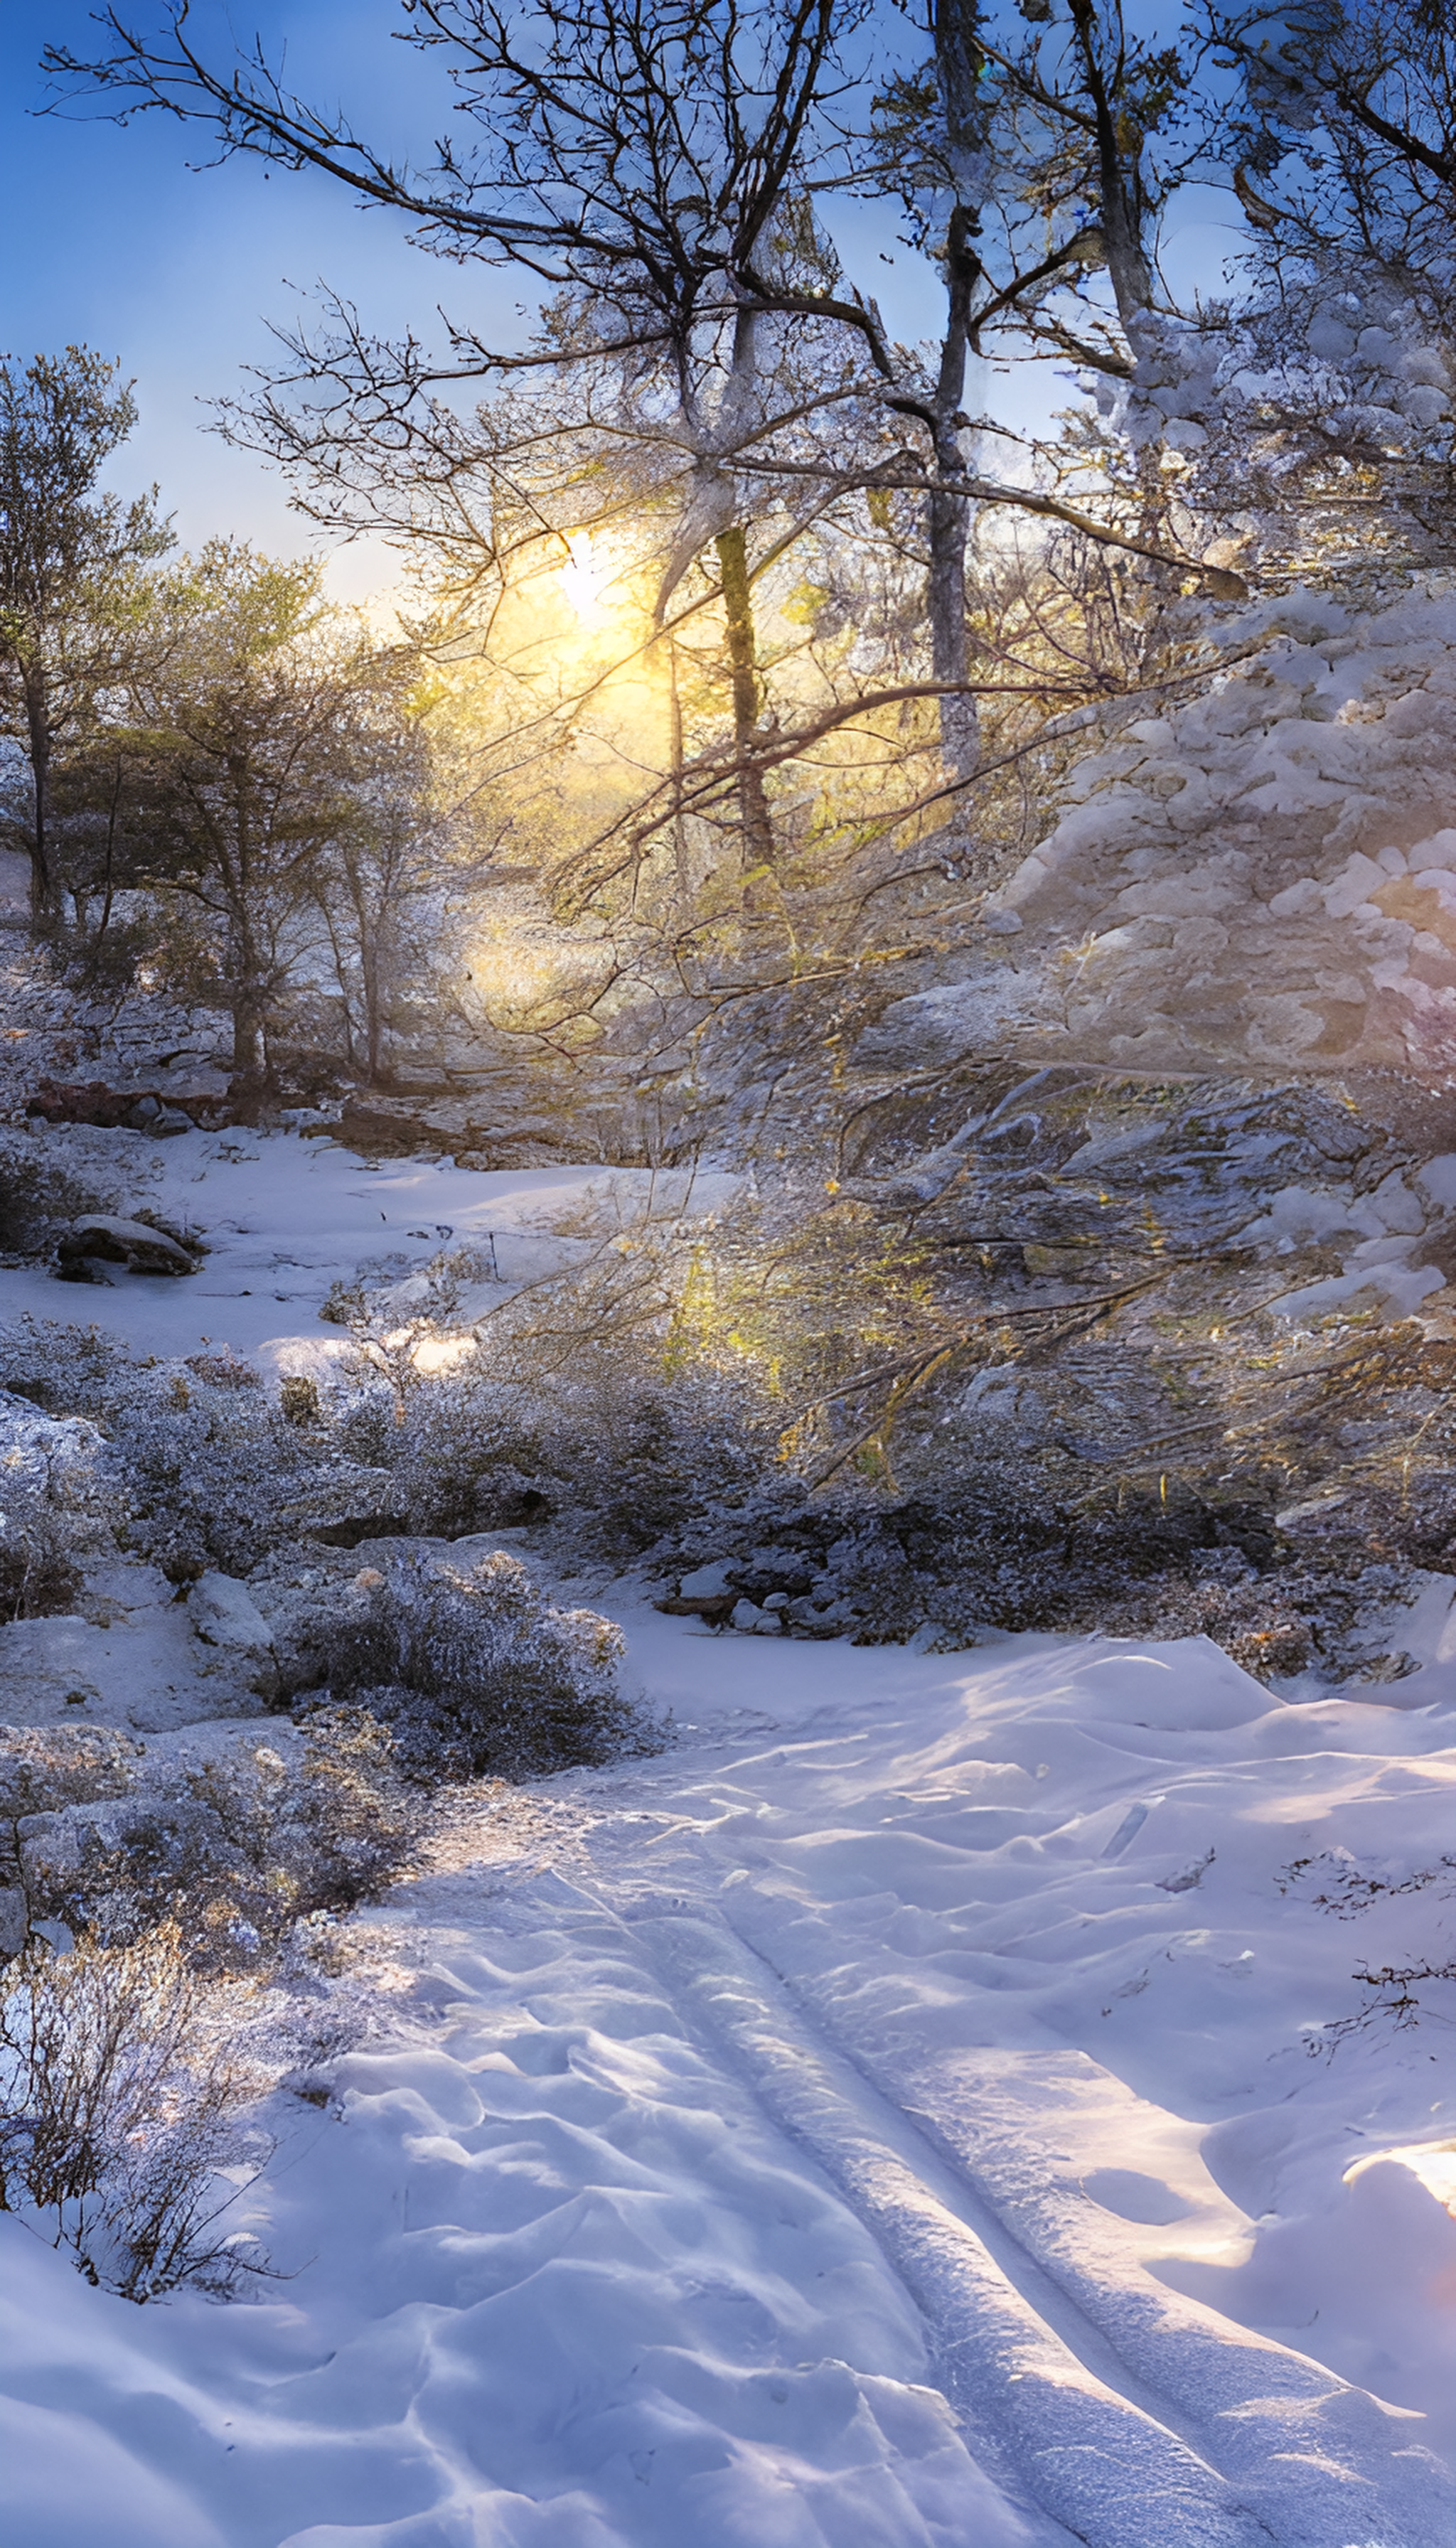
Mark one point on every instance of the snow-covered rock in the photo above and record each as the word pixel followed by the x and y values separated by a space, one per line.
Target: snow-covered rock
pixel 132 1243
pixel 224 1614
pixel 48 1457
pixel 705 1583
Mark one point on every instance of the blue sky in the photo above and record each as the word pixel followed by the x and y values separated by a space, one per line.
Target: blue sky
pixel 126 248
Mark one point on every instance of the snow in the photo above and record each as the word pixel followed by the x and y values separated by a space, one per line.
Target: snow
pixel 1305 800
pixel 895 2116
pixel 287 1217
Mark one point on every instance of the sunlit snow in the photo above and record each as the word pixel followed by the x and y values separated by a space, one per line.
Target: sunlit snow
pixel 895 2116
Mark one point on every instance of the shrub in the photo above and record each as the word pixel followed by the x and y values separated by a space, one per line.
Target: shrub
pixel 476 1670
pixel 239 1851
pixel 51 1509
pixel 298 1399
pixel 41 1191
pixel 121 2098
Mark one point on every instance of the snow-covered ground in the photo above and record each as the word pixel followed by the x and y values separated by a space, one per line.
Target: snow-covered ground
pixel 887 2116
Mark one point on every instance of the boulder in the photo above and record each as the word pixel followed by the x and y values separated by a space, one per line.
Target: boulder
pixel 98 1237
pixel 715 1608
pixel 224 1614
pixel 751 1621
pixel 706 1582
pixel 139 1110
pixel 152 1114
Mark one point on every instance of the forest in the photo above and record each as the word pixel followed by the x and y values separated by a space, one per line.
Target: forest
pixel 831 1023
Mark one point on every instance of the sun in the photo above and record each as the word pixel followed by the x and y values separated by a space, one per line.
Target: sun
pixel 583 578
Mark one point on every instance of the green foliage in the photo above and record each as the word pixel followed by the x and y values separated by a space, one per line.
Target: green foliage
pixel 72 591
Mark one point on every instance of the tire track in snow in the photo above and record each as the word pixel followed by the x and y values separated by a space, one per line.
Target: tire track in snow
pixel 1313 2460
pixel 1319 2459
pixel 1097 2463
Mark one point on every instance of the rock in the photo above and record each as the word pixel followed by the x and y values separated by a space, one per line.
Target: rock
pixel 706 1582
pixel 774 1569
pixel 224 1614
pixel 43 1767
pixel 139 1110
pixel 49 1457
pixel 751 1621
pixel 142 1250
pixel 151 1114
pixel 804 1613
pixel 14 1921
pixel 181 1232
pixel 51 1849
pixel 715 1608
pixel 1053 1261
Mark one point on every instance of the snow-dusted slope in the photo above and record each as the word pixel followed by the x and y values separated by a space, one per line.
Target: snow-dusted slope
pixel 885 2118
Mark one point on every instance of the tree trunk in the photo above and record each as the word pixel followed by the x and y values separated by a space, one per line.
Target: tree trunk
pixel 680 860
pixel 958 61
pixel 738 607
pixel 108 895
pixel 949 513
pixel 373 1004
pixel 247 1039
pixel 1120 183
pixel 248 1006
pixel 43 882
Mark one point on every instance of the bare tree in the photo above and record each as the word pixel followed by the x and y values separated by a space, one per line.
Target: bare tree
pixel 659 169
pixel 636 158
pixel 382 878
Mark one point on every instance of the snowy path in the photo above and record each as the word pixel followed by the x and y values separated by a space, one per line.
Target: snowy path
pixel 738 2174
pixel 882 2120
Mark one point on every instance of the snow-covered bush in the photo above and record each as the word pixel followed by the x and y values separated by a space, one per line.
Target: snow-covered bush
pixel 619 1397
pixel 238 1850
pixel 194 1463
pixel 62 1369
pixel 204 1468
pixel 51 1507
pixel 476 1670
pixel 121 2097
pixel 40 1190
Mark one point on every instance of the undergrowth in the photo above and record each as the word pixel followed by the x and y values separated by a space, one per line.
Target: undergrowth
pixel 125 2092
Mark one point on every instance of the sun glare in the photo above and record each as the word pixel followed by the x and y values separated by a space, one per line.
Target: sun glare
pixel 582 578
